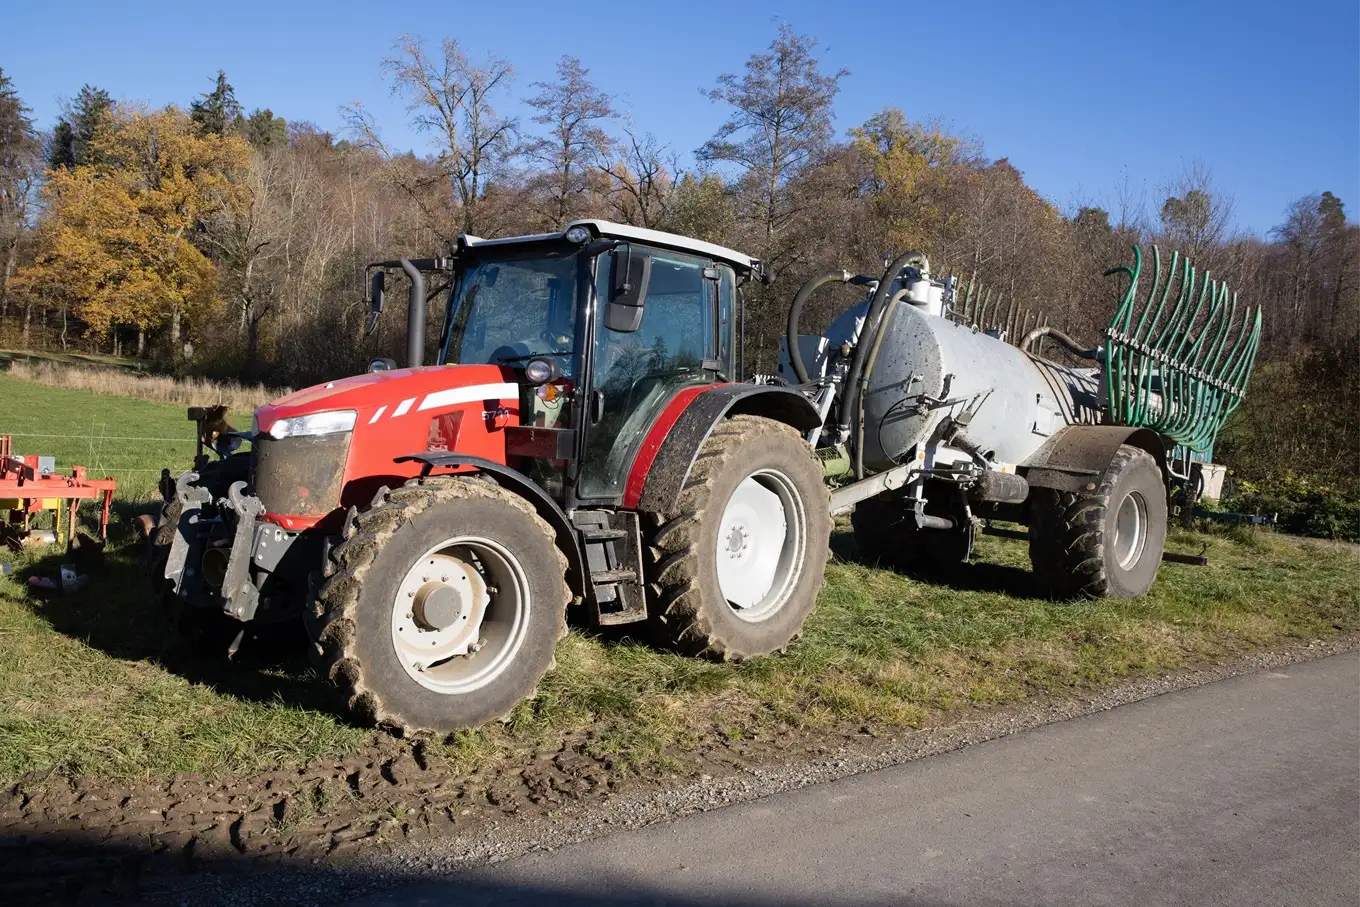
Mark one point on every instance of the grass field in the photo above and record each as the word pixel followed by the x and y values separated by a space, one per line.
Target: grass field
pixel 97 685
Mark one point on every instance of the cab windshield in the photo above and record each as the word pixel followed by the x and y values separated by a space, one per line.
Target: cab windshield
pixel 508 310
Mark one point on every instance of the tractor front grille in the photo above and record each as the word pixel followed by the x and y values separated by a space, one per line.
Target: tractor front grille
pixel 300 476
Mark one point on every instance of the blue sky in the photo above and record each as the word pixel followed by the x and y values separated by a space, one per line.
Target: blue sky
pixel 1077 95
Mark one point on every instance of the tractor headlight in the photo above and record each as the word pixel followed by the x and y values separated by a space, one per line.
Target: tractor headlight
pixel 330 423
pixel 540 371
pixel 578 234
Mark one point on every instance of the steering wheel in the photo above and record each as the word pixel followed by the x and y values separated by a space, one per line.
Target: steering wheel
pixel 557 343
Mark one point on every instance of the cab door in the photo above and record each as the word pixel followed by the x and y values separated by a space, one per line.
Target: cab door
pixel 635 374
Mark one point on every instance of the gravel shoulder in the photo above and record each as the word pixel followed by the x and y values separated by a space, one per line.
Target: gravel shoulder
pixel 549 806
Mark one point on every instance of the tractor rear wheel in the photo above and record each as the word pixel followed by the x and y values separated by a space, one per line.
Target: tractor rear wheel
pixel 442 605
pixel 1106 540
pixel 735 568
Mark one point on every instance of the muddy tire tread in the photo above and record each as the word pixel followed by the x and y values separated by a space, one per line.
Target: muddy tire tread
pixel 672 555
pixel 366 531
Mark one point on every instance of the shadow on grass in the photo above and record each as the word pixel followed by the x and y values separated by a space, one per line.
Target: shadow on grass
pixel 974 576
pixel 114 613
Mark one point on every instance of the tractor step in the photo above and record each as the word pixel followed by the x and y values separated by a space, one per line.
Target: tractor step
pixel 621 575
pixel 602 535
pixel 613 549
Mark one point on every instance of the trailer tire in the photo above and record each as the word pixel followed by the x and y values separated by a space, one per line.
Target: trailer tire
pixel 749 473
pixel 1106 540
pixel 503 554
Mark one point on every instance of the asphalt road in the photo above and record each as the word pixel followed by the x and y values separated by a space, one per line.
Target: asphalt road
pixel 1243 792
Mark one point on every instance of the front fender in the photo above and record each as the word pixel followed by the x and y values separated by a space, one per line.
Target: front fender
pixel 525 487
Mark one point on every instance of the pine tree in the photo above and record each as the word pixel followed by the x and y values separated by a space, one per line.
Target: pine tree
pixel 74 135
pixel 217 112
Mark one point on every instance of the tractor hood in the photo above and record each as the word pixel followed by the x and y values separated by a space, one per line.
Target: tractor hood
pixel 384 395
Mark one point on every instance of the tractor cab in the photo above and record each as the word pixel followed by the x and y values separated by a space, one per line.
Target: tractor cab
pixel 599 327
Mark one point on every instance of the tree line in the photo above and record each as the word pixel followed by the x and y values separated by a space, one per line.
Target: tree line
pixel 232 242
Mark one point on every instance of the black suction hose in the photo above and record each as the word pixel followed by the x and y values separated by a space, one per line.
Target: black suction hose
pixel 796 312
pixel 851 389
pixel 1046 331
pixel 868 373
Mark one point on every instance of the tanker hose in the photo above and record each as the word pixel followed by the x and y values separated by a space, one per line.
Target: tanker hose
pixel 870 329
pixel 864 381
pixel 796 312
pixel 1047 331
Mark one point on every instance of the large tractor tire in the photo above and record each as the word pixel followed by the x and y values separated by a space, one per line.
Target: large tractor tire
pixel 887 535
pixel 735 568
pixel 442 605
pixel 1106 540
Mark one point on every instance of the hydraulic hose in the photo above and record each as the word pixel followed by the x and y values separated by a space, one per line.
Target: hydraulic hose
pixel 796 312
pixel 1046 331
pixel 868 373
pixel 853 388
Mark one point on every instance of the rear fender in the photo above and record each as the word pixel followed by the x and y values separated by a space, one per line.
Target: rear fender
pixel 518 482
pixel 667 454
pixel 1079 455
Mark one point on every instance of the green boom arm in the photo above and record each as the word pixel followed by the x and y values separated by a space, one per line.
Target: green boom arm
pixel 1179 362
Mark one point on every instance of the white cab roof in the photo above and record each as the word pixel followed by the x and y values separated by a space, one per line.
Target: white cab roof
pixel 610 230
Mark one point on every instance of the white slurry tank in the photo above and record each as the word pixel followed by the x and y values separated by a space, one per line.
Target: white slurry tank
pixel 935 419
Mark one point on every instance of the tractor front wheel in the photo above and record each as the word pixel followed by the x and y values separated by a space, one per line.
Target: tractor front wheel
pixel 1106 540
pixel 736 566
pixel 442 607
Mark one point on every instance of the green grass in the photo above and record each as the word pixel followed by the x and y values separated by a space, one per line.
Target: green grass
pixel 92 430
pixel 96 684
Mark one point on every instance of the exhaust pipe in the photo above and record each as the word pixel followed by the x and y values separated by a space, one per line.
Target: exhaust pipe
pixel 415 316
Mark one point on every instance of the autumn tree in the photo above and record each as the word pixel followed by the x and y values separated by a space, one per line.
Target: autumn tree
pixel 20 167
pixel 780 121
pixel 572 109
pixel 115 244
pixel 907 168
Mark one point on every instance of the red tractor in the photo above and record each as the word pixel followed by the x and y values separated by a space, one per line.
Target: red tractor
pixel 579 441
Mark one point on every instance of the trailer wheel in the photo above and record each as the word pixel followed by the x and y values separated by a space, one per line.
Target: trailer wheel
pixel 442 605
pixel 1104 541
pixel 735 568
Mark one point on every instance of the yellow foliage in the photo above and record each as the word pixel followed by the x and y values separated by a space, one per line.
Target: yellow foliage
pixel 115 241
pixel 909 163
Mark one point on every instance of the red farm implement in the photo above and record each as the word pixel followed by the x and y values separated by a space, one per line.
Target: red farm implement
pixel 30 486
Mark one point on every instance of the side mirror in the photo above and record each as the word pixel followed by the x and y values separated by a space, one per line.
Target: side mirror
pixel 632 272
pixel 375 300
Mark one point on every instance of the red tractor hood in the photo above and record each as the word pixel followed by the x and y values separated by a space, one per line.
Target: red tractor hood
pixel 380 396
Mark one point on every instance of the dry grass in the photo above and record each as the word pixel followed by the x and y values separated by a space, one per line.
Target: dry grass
pixel 158 388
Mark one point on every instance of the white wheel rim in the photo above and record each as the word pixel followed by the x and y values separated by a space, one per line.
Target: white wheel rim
pixel 760 545
pixel 1130 530
pixel 460 615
